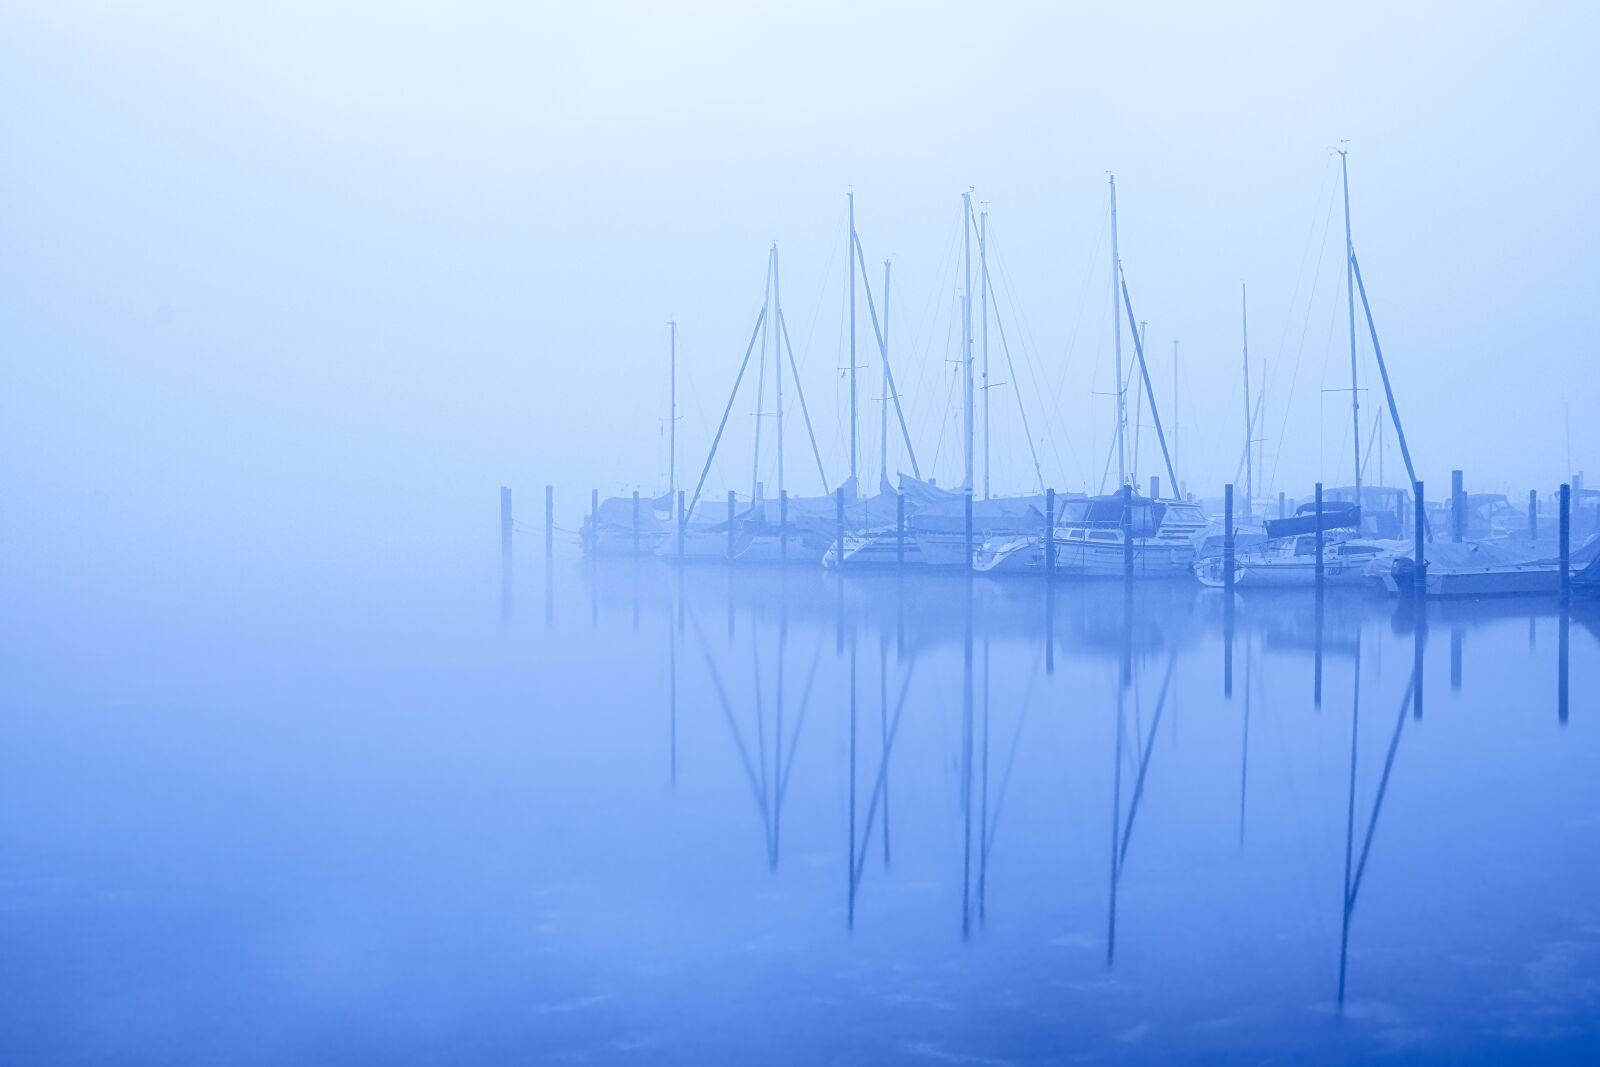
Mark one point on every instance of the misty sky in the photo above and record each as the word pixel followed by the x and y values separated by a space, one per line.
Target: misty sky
pixel 299 278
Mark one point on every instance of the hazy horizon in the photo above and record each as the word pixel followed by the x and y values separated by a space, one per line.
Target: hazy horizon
pixel 295 277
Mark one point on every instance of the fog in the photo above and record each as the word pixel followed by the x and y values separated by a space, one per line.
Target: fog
pixel 288 283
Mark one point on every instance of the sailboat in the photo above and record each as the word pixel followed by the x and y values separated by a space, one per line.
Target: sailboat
pixel 1095 536
pixel 757 529
pixel 935 531
pixel 1361 525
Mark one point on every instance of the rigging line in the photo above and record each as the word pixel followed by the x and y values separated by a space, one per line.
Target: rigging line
pixel 761 383
pixel 859 864
pixel 1367 456
pixel 743 366
pixel 1011 370
pixel 783 329
pixel 1091 267
pixel 768 824
pixel 1138 347
pixel 827 276
pixel 1011 755
pixel 1388 391
pixel 800 721
pixel 1033 377
pixel 921 350
pixel 883 352
pixel 1305 326
pixel 727 713
pixel 955 376
pixel 1383 788
pixel 943 281
pixel 1144 760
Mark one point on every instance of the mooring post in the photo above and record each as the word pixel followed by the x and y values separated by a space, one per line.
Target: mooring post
pixel 636 522
pixel 968 534
pixel 1565 518
pixel 1533 514
pixel 730 525
pixel 783 525
pixel 1320 567
pixel 683 520
pixel 1127 532
pixel 1282 512
pixel 549 520
pixel 1227 538
pixel 1155 487
pixel 838 523
pixel 1419 572
pixel 1049 534
pixel 505 527
pixel 1458 508
pixel 900 529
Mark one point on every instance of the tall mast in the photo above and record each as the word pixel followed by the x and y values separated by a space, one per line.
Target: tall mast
pixel 883 404
pixel 850 254
pixel 777 364
pixel 983 274
pixel 1261 441
pixel 761 369
pixel 1249 405
pixel 672 421
pixel 1138 421
pixel 1350 294
pixel 1175 494
pixel 966 342
pixel 1116 333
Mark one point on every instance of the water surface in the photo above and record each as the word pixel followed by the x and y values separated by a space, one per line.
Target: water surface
pixel 623 813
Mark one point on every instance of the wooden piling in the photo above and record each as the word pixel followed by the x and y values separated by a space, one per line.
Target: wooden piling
pixel 1419 572
pixel 1227 539
pixel 1155 487
pixel 838 523
pixel 1321 567
pixel 1458 508
pixel 1565 518
pixel 1049 533
pixel 1283 512
pixel 968 534
pixel 899 529
pixel 1127 532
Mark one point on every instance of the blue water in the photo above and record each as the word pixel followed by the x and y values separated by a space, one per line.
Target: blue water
pixel 633 815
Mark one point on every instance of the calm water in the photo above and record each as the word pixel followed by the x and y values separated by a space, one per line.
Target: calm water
pixel 776 817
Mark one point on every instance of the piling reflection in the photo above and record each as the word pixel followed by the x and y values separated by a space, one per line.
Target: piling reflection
pixel 975 657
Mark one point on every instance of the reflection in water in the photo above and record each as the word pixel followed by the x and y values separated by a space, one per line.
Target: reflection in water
pixel 1413 700
pixel 986 756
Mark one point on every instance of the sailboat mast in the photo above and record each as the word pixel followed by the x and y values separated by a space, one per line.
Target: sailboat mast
pixel 1350 294
pixel 966 338
pixel 1176 495
pixel 1249 406
pixel 1261 441
pixel 850 254
pixel 983 274
pixel 777 366
pixel 883 404
pixel 672 419
pixel 1116 333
